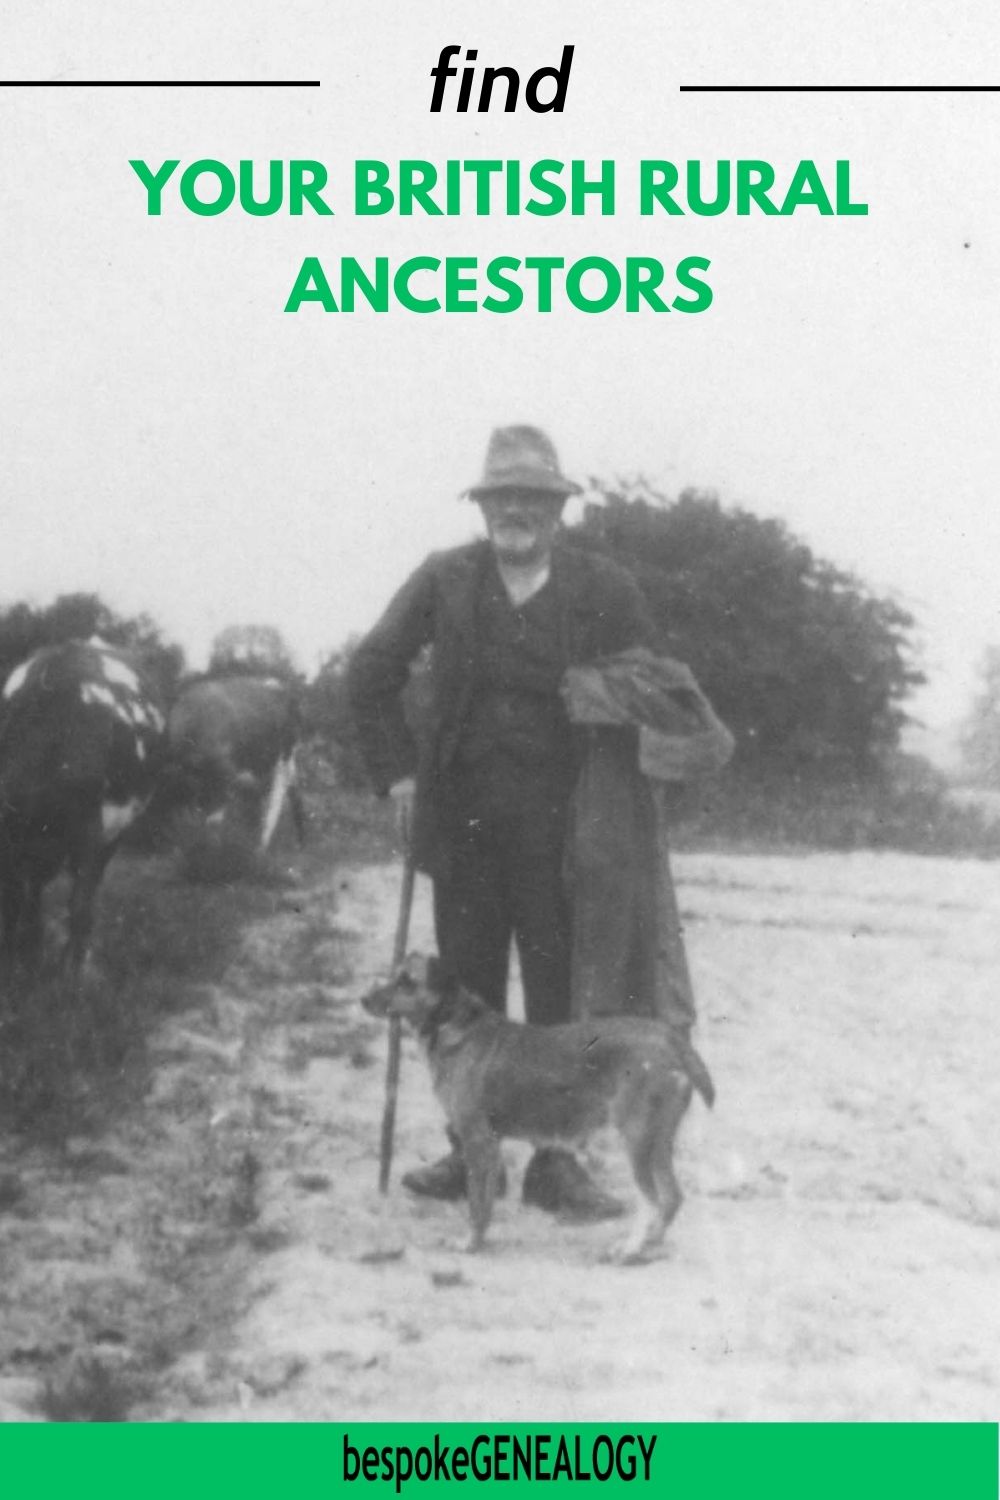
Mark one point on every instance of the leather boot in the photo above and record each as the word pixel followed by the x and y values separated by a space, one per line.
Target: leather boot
pixel 555 1180
pixel 442 1179
pixel 446 1178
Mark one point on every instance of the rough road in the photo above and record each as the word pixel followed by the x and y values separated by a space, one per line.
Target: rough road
pixel 835 1258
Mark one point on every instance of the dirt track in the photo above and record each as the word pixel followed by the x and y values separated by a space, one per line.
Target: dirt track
pixel 836 1256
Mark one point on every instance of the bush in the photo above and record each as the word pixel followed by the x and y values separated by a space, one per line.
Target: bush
pixel 329 721
pixel 897 810
pixel 806 665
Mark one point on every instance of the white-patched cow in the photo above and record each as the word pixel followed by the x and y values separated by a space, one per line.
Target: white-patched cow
pixel 233 742
pixel 81 745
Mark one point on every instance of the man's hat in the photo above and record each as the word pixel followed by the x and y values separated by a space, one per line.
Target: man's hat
pixel 522 458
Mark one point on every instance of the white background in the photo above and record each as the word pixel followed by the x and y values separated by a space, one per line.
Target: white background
pixel 172 439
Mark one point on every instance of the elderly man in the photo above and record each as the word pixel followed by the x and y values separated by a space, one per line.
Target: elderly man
pixel 488 788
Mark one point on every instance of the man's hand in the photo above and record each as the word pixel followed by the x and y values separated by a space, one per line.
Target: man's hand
pixel 403 794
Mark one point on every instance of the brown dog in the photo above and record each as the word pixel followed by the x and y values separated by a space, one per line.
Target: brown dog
pixel 550 1085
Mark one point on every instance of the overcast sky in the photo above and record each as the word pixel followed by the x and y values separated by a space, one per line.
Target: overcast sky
pixel 172 439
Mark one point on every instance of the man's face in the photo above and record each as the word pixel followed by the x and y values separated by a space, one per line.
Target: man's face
pixel 521 524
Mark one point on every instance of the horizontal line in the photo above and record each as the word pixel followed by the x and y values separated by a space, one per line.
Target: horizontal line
pixel 840 88
pixel 159 83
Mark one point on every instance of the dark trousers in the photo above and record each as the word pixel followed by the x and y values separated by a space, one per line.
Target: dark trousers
pixel 504 830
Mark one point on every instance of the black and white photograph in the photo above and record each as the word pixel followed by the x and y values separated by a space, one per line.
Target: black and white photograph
pixel 499 712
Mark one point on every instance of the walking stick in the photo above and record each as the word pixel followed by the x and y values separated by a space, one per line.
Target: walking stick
pixel 395 1025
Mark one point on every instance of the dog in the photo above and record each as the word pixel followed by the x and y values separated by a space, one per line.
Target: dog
pixel 550 1085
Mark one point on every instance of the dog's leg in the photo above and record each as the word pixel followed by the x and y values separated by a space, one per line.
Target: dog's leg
pixel 481 1150
pixel 643 1228
pixel 649 1135
pixel 672 1108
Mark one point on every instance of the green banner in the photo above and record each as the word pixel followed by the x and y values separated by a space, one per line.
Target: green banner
pixel 695 1461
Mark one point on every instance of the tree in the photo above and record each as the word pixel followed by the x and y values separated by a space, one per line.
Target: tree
pixel 327 713
pixel 258 649
pixel 803 662
pixel 25 628
pixel 981 733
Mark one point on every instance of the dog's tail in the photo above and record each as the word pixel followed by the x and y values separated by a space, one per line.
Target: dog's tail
pixel 696 1070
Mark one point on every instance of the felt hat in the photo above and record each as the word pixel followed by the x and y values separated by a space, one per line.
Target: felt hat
pixel 522 458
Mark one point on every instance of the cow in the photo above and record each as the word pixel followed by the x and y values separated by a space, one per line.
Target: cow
pixel 232 744
pixel 81 747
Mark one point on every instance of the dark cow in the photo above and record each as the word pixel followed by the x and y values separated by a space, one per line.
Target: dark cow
pixel 81 744
pixel 233 744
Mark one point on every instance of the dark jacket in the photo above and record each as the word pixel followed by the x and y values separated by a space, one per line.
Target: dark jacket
pixel 601 611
